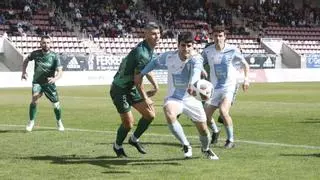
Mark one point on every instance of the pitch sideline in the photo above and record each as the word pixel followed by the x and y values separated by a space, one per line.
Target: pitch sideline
pixel 168 135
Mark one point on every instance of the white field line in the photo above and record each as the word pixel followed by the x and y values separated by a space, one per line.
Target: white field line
pixel 168 135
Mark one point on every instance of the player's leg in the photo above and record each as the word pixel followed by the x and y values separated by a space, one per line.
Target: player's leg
pixel 210 107
pixel 228 124
pixel 36 94
pixel 172 108
pixel 194 109
pixel 220 118
pixel 147 112
pixel 122 102
pixel 50 90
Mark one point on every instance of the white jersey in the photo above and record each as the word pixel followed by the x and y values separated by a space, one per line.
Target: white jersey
pixel 180 73
pixel 223 65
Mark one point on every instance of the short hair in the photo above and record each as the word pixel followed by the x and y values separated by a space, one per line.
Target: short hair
pixel 151 25
pixel 45 37
pixel 186 37
pixel 219 29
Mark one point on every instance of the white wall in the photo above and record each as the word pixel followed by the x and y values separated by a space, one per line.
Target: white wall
pixel 13 79
pixel 1 45
pixel 13 59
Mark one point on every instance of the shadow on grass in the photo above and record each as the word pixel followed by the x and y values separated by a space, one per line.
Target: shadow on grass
pixel 106 161
pixel 145 143
pixel 12 131
pixel 305 155
pixel 165 125
pixel 311 120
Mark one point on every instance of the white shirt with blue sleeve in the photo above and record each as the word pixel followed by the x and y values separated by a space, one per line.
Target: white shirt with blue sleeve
pixel 180 73
pixel 223 65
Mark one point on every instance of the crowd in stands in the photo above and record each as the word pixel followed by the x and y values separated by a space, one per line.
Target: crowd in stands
pixel 108 18
pixel 30 17
pixel 120 18
pixel 282 14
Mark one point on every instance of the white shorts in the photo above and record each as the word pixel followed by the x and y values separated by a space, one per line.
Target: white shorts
pixel 220 94
pixel 189 106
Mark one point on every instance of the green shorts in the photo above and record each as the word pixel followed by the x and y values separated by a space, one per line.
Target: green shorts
pixel 50 90
pixel 124 98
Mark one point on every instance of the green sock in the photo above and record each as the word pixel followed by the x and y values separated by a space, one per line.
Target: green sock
pixel 142 127
pixel 57 112
pixel 32 111
pixel 121 134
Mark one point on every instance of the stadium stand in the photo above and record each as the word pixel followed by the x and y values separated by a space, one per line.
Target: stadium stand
pixel 115 27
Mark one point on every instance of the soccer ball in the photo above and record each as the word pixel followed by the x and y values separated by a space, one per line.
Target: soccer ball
pixel 202 89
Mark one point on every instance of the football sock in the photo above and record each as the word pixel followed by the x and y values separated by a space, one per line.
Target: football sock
pixel 121 134
pixel 32 111
pixel 117 146
pixel 142 126
pixel 134 138
pixel 57 110
pixel 177 130
pixel 229 130
pixel 214 126
pixel 205 142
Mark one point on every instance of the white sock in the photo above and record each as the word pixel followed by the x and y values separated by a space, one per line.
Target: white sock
pixel 213 126
pixel 229 130
pixel 177 130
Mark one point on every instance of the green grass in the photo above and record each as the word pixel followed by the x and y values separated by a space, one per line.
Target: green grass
pixel 276 128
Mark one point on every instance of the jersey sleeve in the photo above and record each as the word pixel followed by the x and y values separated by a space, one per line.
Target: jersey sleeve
pixel 205 57
pixel 198 67
pixel 31 56
pixel 157 63
pixel 239 57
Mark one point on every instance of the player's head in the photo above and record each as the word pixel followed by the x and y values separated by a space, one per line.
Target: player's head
pixel 152 33
pixel 45 43
pixel 185 44
pixel 219 35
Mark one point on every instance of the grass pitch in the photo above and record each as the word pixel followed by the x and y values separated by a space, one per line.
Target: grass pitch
pixel 276 128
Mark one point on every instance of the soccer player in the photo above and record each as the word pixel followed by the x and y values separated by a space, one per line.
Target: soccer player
pixel 47 70
pixel 125 94
pixel 184 67
pixel 223 60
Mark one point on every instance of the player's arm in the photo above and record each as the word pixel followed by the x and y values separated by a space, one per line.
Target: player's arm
pixel 246 69
pixel 206 69
pixel 57 76
pixel 196 72
pixel 152 80
pixel 158 62
pixel 58 73
pixel 25 63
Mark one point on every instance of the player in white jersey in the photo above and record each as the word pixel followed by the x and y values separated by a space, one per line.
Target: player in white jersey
pixel 224 61
pixel 184 68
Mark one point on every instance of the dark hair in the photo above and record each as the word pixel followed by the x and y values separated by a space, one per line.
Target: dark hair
pixel 45 37
pixel 151 25
pixel 186 37
pixel 219 29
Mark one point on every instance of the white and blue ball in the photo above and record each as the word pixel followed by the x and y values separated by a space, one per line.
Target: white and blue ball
pixel 202 89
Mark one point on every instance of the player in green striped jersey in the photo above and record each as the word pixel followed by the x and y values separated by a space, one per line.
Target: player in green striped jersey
pixel 125 94
pixel 47 70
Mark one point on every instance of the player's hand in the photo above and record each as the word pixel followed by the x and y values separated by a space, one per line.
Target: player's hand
pixel 137 79
pixel 24 76
pixel 51 80
pixel 148 101
pixel 191 91
pixel 204 74
pixel 152 92
pixel 245 85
